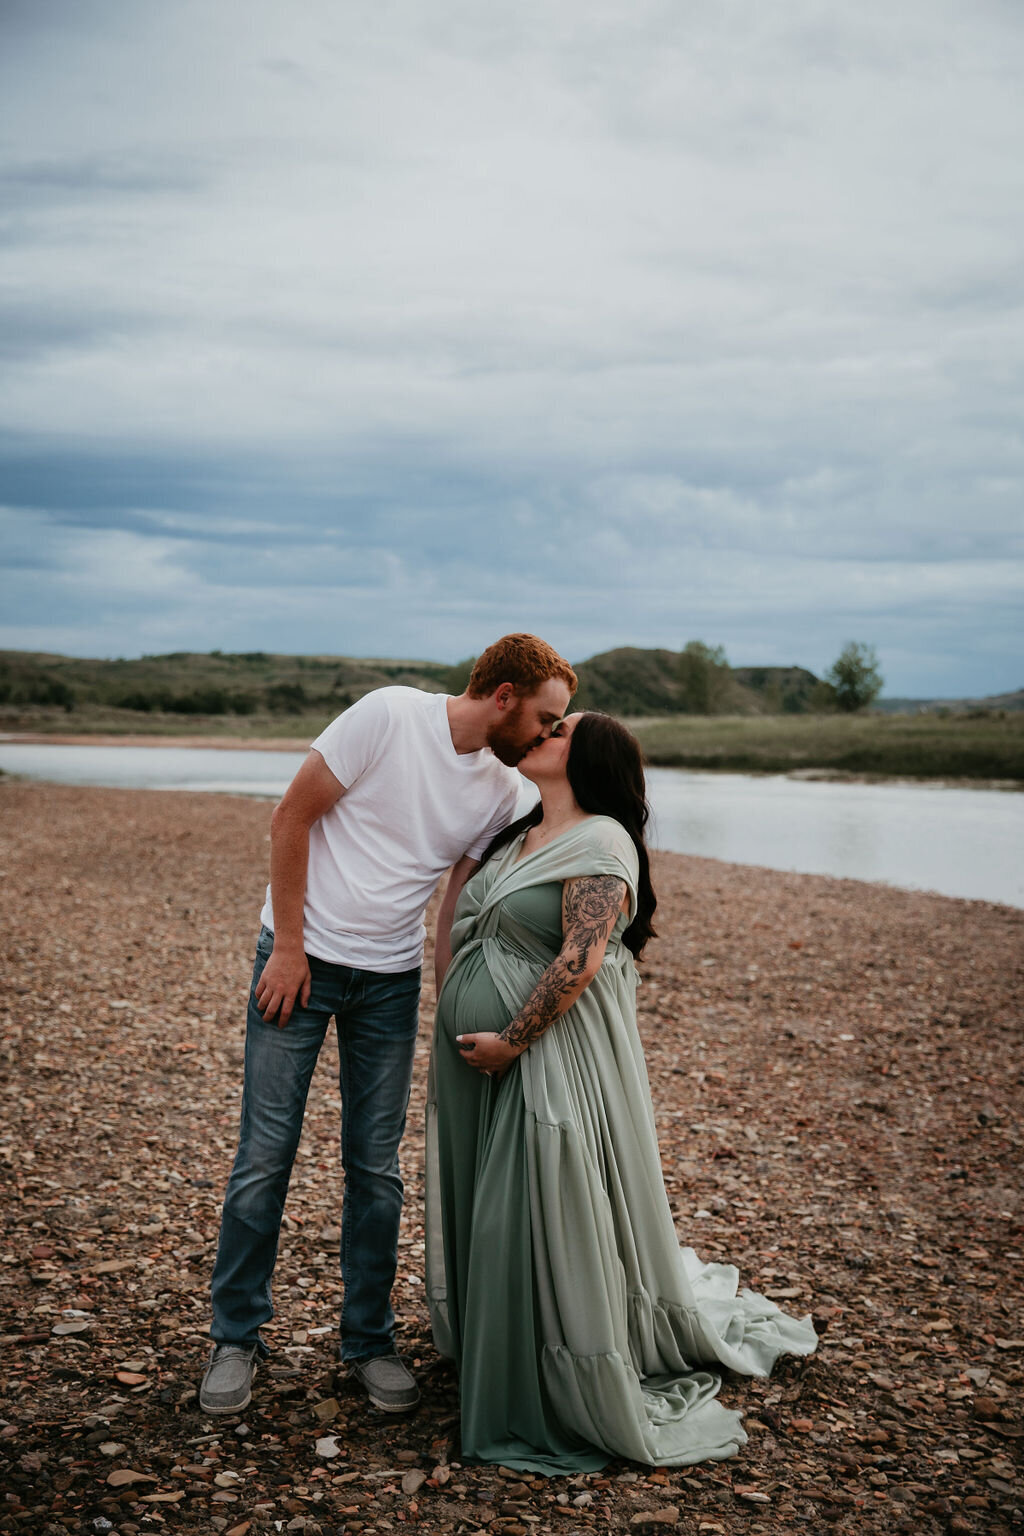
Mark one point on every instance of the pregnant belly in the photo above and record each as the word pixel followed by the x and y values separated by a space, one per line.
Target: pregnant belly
pixel 470 1003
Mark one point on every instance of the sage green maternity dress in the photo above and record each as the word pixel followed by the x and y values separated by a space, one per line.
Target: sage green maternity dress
pixel 555 1278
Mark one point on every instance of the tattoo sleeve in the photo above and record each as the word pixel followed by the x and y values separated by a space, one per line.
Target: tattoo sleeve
pixel 589 909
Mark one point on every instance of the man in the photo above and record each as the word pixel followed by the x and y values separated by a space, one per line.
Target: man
pixel 395 791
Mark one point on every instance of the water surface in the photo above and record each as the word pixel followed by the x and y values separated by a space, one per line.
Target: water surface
pixel 960 842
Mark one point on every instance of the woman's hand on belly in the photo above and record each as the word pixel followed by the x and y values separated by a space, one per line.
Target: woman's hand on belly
pixel 488 1052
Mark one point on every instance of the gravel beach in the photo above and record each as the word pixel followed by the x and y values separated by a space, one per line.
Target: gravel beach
pixel 837 1074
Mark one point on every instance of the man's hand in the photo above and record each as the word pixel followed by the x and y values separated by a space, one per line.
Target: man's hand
pixel 285 978
pixel 488 1052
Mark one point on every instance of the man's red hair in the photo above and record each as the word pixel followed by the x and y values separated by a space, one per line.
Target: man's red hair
pixel 522 660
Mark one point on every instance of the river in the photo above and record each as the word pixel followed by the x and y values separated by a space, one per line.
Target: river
pixel 959 842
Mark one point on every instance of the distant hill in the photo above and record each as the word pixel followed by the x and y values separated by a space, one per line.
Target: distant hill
pixel 1013 700
pixel 630 681
pixel 1008 701
pixel 627 681
pixel 634 682
pixel 213 683
pixel 779 690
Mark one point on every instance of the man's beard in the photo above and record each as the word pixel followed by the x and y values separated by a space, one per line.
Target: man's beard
pixel 506 739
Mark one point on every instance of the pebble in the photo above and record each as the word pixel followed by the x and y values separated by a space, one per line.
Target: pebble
pixel 125 1477
pixel 884 1196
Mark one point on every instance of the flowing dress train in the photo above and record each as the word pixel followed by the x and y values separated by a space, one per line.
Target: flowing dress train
pixel 555 1279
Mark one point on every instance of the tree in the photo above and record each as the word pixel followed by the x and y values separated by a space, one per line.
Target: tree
pixel 705 676
pixel 854 676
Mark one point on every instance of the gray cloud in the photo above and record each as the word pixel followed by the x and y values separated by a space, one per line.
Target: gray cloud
pixel 83 178
pixel 626 323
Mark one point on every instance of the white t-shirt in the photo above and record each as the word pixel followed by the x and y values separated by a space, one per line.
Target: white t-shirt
pixel 412 807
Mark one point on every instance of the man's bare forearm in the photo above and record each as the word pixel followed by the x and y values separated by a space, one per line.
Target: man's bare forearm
pixel 460 873
pixel 442 953
pixel 289 862
pixel 443 936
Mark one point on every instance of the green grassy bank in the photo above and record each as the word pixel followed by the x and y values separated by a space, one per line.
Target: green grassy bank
pixel 253 696
pixel 104 720
pixel 979 746
pixel 965 746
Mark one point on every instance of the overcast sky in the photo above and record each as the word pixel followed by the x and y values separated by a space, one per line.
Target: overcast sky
pixel 383 328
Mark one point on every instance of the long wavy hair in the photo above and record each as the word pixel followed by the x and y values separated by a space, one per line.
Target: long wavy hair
pixel 605 769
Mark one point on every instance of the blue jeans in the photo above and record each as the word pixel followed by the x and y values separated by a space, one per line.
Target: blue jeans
pixel 376 1019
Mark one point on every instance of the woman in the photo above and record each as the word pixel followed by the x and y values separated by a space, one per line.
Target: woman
pixel 554 1275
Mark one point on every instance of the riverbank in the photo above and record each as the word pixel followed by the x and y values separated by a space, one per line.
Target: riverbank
pixel 301 744
pixel 214 743
pixel 961 748
pixel 983 751
pixel 836 1070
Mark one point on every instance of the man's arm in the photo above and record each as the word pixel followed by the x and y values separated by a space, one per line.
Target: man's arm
pixel 589 909
pixel 443 938
pixel 286 977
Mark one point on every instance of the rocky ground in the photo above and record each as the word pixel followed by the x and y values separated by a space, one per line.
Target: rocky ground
pixel 837 1073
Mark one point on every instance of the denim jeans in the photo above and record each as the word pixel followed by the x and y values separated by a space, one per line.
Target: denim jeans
pixel 376 1019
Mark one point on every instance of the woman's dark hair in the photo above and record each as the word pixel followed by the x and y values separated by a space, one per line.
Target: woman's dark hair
pixel 605 769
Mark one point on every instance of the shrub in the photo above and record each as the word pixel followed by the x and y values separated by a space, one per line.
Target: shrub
pixel 705 676
pixel 855 677
pixel 286 699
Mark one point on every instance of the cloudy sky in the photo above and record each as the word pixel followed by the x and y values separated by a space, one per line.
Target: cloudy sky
pixel 379 328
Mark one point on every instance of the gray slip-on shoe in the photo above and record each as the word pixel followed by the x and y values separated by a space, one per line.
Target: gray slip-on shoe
pixel 227 1385
pixel 388 1384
